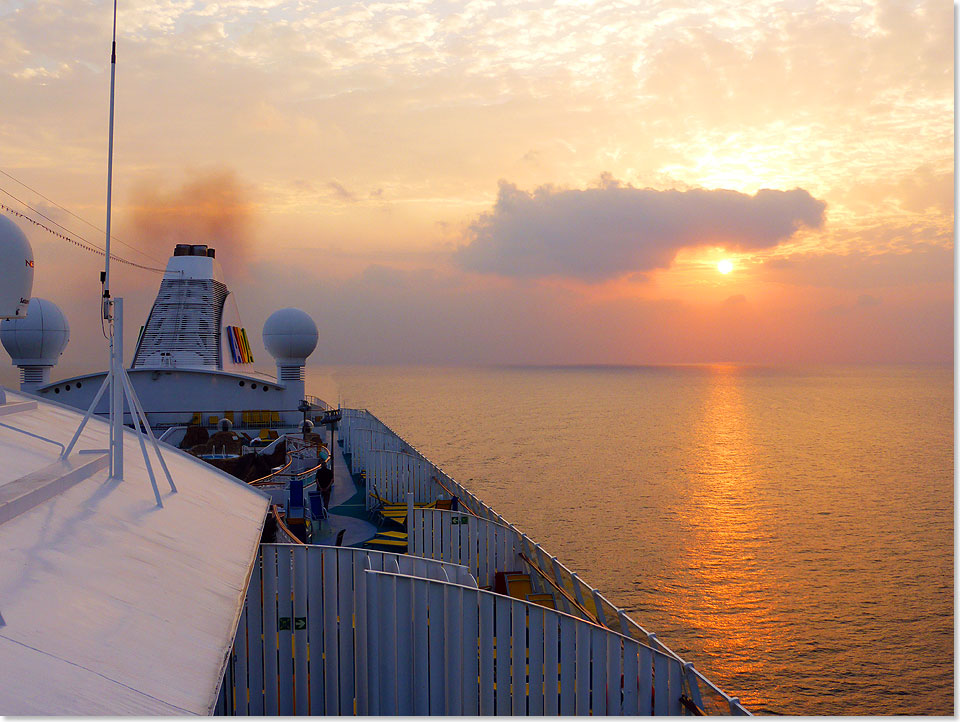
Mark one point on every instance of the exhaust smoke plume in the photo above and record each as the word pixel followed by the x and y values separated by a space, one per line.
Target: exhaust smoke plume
pixel 211 208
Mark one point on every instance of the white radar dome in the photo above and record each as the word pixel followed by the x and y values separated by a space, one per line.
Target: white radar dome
pixel 290 335
pixel 39 338
pixel 16 270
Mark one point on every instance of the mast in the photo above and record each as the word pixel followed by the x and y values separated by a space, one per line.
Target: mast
pixel 116 390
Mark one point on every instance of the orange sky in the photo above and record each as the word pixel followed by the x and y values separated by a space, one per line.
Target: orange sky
pixel 515 182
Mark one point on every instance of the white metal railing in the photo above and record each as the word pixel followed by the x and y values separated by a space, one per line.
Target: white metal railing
pixel 392 474
pixel 317 401
pixel 446 649
pixel 300 643
pixel 360 430
pixel 483 546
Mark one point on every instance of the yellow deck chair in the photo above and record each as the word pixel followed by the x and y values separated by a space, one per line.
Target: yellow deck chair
pixel 195 419
pixel 519 585
pixel 228 415
pixel 544 600
pixel 265 434
pixel 274 417
pixel 213 420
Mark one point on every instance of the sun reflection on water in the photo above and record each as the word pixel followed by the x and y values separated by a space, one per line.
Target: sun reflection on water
pixel 730 609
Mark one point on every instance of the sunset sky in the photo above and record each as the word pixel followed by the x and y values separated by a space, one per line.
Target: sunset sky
pixel 506 182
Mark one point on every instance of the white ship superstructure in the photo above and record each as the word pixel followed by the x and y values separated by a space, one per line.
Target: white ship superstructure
pixel 193 362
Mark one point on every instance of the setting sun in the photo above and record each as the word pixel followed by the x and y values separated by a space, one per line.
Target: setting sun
pixel 725 266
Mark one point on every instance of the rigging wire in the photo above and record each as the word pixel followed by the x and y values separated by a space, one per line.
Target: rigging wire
pixel 79 218
pixel 74 238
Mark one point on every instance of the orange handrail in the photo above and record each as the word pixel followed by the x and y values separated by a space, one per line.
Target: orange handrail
pixel 284 527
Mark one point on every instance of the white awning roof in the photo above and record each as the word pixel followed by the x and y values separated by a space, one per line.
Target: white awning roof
pixel 109 604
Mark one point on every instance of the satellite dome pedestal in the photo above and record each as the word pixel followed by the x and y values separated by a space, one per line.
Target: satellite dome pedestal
pixel 36 341
pixel 290 336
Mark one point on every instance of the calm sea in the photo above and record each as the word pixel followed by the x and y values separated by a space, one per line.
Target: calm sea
pixel 790 530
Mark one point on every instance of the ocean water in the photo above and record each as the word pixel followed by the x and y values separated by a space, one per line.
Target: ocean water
pixel 789 530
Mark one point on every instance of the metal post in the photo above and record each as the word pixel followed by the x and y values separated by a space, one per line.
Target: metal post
pixel 333 442
pixel 117 391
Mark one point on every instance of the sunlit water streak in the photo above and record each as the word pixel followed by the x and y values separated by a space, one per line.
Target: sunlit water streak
pixel 789 530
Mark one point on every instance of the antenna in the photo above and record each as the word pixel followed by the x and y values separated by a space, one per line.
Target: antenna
pixel 116 390
pixel 112 312
pixel 107 310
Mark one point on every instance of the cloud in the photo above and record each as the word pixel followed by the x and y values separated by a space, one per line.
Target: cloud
pixel 340 192
pixel 615 229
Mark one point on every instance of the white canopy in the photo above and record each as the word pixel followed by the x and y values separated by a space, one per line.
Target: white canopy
pixel 109 604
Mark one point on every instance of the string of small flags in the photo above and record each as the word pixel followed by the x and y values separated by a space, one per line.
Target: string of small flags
pixel 85 246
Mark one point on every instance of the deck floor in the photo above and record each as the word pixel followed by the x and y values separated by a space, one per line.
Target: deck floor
pixel 344 493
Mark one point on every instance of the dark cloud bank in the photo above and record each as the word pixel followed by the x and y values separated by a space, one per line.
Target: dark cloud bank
pixel 607 231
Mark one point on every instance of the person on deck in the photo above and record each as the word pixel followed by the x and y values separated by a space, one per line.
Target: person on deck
pixel 325 484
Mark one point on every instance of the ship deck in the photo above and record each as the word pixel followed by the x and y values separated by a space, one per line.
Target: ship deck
pixel 347 508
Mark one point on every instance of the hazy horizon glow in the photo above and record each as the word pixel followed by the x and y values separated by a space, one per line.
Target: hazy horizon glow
pixel 528 182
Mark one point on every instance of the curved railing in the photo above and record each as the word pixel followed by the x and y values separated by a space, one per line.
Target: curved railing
pixel 360 429
pixel 301 629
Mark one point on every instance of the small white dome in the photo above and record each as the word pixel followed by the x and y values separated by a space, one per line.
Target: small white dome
pixel 16 270
pixel 39 338
pixel 290 335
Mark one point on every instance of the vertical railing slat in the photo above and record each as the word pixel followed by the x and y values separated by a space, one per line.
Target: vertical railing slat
pixel 300 678
pixel 429 548
pixel 487 635
pixel 421 652
pixel 535 661
pixel 270 644
pixel 345 636
pixel 631 670
pixel 551 638
pixel 437 657
pixel 502 612
pixel 473 541
pixel 254 638
pixel 454 647
pixel 568 666
pixel 315 628
pixel 331 643
pixel 470 704
pixel 661 684
pixel 240 673
pixel 614 674
pixel 598 659
pixel 406 651
pixel 389 649
pixel 285 634
pixel 582 646
pixel 373 623
pixel 518 657
pixel 645 695
pixel 674 705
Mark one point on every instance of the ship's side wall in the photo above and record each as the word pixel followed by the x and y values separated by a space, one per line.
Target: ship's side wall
pixel 172 397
